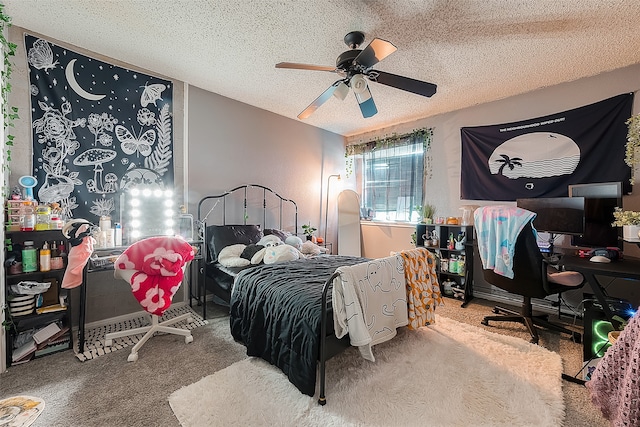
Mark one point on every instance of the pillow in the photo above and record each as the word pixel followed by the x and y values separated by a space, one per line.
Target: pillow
pixel 229 256
pixel 281 234
pixel 250 250
pixel 221 236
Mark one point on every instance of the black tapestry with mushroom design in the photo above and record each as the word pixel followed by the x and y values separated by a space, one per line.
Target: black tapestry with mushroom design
pixel 98 129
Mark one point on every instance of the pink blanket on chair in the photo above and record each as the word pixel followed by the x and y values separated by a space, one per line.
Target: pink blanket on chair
pixel 155 270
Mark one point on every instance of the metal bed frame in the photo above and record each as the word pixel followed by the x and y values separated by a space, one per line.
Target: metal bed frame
pixel 329 345
pixel 233 197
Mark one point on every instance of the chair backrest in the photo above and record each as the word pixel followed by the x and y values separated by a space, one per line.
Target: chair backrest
pixel 528 267
pixel 154 267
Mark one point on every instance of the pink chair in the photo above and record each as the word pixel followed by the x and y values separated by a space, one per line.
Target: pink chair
pixel 154 267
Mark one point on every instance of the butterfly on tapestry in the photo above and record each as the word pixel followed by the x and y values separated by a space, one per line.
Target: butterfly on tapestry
pixel 98 129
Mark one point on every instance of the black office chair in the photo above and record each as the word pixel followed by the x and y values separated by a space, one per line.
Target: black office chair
pixel 533 278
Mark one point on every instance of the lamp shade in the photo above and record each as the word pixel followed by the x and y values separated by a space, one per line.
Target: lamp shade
pixel 358 83
pixel 341 91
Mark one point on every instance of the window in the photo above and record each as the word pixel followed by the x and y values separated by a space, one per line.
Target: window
pixel 390 175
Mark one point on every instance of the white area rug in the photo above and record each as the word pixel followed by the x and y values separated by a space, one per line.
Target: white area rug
pixel 94 338
pixel 449 374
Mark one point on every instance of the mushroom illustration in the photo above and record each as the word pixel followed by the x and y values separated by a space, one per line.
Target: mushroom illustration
pixel 95 157
pixel 55 188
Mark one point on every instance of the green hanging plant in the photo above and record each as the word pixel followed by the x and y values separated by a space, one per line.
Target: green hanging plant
pixel 389 141
pixel 9 113
pixel 633 143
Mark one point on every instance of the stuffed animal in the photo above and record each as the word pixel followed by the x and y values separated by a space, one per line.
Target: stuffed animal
pixel 273 254
pixel 270 240
pixel 310 248
pixel 294 241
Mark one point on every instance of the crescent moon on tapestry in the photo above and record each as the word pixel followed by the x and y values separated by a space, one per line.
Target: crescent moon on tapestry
pixel 71 78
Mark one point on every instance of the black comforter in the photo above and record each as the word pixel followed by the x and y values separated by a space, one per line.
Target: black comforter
pixel 276 313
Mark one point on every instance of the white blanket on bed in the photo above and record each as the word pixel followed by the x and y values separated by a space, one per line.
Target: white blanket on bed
pixel 370 302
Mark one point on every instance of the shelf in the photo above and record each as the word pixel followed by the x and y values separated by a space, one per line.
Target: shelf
pixel 22 324
pixel 463 281
pixel 30 321
pixel 31 275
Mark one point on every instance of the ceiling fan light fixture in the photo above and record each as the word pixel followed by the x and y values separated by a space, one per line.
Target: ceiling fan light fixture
pixel 341 92
pixel 358 83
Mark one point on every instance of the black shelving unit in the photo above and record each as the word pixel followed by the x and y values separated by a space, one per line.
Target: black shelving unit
pixel 462 281
pixel 34 321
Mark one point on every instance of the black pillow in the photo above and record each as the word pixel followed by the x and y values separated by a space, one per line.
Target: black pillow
pixel 250 251
pixel 221 236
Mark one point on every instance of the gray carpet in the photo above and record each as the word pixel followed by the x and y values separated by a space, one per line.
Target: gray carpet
pixel 109 391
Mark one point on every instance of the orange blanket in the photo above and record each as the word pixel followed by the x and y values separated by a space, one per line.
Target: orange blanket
pixel 423 290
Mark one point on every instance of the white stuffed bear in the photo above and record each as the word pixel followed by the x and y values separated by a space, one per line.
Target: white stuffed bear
pixel 270 240
pixel 310 248
pixel 278 253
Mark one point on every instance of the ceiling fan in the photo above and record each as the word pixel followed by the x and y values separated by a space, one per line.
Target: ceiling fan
pixel 353 66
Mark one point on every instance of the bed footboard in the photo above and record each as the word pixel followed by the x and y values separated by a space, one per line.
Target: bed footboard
pixel 329 344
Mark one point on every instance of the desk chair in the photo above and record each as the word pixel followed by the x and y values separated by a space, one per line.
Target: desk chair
pixel 532 276
pixel 154 267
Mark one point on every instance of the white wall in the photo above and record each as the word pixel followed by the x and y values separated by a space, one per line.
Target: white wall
pixel 379 240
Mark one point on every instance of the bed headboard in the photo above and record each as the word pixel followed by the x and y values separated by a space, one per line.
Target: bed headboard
pixel 252 204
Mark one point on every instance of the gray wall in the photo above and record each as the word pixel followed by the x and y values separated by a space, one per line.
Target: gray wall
pixel 231 143
pixel 443 189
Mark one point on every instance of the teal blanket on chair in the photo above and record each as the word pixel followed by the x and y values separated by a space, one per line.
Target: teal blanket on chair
pixel 497 228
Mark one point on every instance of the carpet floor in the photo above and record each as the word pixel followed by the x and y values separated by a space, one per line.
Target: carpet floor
pixel 94 338
pixel 488 380
pixel 109 391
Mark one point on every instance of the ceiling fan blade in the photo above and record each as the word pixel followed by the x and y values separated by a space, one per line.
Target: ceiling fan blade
pixel 319 101
pixel 404 83
pixel 297 66
pixel 367 106
pixel 377 50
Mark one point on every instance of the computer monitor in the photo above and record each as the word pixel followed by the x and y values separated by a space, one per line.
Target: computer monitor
pixel 556 215
pixel 601 199
pixel 596 189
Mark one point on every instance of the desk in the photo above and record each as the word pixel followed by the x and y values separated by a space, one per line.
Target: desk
pixel 99 261
pixel 627 268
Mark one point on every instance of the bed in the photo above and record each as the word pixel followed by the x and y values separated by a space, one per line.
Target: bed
pixel 281 311
pixel 242 215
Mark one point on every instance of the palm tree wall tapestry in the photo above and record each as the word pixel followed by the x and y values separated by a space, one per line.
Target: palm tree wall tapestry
pixel 541 157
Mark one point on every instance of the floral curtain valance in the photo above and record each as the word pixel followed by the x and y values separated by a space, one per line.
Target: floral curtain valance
pixel 391 173
pixel 424 136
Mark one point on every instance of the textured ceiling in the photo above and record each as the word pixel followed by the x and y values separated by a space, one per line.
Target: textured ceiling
pixel 476 51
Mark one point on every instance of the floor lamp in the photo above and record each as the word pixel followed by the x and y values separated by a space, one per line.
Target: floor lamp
pixel 326 208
